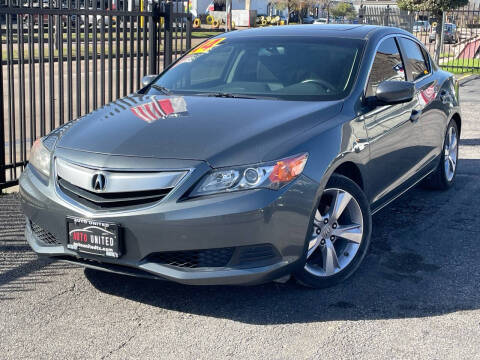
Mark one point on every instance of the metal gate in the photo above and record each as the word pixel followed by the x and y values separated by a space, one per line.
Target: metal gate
pixel 459 52
pixel 386 16
pixel 61 59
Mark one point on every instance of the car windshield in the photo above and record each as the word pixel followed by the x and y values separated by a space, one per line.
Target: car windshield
pixel 289 68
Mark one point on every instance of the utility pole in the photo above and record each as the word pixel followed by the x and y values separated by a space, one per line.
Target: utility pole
pixel 440 38
pixel 228 25
pixel 387 14
pixel 56 29
pixel 328 12
pixel 361 13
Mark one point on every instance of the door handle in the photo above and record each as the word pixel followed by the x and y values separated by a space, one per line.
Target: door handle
pixel 415 115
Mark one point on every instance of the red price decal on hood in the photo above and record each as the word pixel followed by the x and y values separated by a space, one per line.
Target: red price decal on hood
pixel 160 108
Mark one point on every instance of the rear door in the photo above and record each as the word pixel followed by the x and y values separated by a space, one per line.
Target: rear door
pixel 390 130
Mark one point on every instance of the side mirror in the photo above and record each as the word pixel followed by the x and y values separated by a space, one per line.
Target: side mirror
pixel 147 79
pixel 395 92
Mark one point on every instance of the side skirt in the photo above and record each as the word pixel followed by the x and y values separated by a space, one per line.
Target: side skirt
pixel 377 209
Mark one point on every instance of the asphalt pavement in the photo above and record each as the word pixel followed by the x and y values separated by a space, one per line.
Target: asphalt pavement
pixel 417 295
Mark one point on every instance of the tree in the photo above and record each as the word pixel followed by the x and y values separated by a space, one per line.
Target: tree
pixel 345 10
pixel 436 8
pixel 292 6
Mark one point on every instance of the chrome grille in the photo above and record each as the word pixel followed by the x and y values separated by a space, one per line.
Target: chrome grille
pixel 110 200
pixel 119 188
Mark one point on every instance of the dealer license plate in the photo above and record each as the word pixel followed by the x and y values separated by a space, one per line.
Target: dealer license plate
pixel 93 237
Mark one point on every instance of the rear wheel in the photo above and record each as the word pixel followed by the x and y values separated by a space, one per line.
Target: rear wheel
pixel 444 176
pixel 340 235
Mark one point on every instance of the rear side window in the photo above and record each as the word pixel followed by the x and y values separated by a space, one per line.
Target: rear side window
pixel 415 59
pixel 387 65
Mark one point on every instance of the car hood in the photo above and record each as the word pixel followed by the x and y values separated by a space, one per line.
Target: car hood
pixel 221 131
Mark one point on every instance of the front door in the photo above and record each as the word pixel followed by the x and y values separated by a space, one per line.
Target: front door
pixel 390 128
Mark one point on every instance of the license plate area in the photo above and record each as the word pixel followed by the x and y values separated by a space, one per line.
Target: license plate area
pixel 94 237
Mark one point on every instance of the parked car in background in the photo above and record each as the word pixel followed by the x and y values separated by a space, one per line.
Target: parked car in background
pixel 321 21
pixel 36 19
pixel 293 18
pixel 308 20
pixel 450 34
pixel 421 26
pixel 99 18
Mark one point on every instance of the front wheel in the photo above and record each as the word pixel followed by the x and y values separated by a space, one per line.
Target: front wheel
pixel 340 235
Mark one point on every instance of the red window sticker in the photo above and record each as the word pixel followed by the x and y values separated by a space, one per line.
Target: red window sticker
pixel 207 46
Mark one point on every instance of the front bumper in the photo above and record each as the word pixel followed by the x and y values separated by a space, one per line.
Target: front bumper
pixel 239 221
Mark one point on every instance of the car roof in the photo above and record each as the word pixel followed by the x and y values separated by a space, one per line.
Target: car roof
pixel 356 31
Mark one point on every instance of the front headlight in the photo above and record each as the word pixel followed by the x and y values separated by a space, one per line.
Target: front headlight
pixel 40 157
pixel 272 175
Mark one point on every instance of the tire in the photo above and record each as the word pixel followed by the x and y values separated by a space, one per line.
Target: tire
pixel 338 244
pixel 443 178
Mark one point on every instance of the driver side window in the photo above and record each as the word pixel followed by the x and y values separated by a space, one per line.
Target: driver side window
pixel 387 65
pixel 210 68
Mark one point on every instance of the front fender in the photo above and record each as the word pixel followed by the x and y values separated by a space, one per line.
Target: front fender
pixel 329 145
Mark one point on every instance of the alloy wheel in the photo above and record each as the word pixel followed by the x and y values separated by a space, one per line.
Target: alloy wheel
pixel 450 153
pixel 337 233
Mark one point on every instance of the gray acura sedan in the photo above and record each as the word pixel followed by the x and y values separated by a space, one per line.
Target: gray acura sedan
pixel 258 155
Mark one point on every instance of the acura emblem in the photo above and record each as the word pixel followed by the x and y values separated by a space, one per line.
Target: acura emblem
pixel 98 182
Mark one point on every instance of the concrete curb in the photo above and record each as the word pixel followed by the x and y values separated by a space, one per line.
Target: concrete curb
pixel 466 78
pixel 10 190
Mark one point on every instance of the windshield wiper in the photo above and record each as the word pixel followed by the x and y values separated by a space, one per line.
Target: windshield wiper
pixel 162 89
pixel 229 95
pixel 232 96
